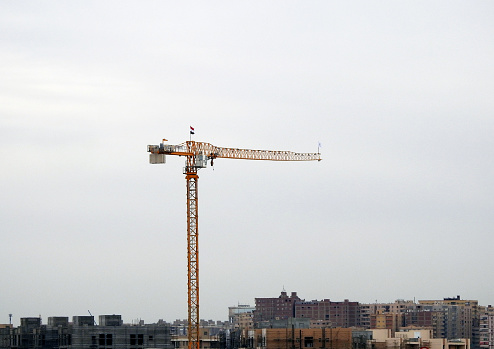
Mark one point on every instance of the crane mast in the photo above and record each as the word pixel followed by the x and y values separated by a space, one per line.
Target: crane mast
pixel 197 154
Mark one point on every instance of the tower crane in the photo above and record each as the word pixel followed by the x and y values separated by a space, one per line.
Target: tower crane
pixel 197 154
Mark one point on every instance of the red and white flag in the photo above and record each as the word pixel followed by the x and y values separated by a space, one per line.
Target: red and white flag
pixel 191 130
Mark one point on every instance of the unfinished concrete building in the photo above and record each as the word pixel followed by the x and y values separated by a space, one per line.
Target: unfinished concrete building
pixel 82 333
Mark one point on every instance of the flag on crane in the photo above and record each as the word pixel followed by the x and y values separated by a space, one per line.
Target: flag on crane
pixel 191 130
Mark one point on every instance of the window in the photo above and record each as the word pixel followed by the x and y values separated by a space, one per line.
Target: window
pixel 105 340
pixel 308 342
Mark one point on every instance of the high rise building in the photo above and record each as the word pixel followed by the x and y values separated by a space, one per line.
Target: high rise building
pixel 460 317
pixel 486 327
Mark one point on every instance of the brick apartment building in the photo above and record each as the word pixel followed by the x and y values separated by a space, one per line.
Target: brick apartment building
pixel 279 308
pixel 338 314
pixel 335 314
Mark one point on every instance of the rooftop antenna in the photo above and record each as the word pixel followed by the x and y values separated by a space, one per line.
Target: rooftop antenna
pixel 10 319
pixel 93 318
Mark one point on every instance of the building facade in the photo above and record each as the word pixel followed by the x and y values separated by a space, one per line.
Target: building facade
pixel 82 333
pixel 338 314
pixel 413 339
pixel 325 312
pixel 486 327
pixel 279 308
pixel 241 316
pixel 289 338
pixel 399 307
pixel 461 318
pixel 383 320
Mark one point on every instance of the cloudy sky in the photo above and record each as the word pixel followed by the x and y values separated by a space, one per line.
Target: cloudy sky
pixel 399 93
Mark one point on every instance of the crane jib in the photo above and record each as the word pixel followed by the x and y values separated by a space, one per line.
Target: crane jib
pixel 208 151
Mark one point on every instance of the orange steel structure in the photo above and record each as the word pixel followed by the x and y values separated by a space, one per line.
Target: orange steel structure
pixel 197 154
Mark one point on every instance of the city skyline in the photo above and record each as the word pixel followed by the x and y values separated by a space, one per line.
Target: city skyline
pixel 397 97
pixel 300 302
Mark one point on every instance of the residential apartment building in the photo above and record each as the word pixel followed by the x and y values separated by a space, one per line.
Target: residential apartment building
pixel 241 316
pixel 448 318
pixel 426 316
pixel 383 320
pixel 282 307
pixel 460 318
pixel 486 327
pixel 399 307
pixel 491 331
pixel 338 314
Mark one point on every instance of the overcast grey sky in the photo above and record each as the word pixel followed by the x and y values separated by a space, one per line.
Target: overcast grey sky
pixel 399 93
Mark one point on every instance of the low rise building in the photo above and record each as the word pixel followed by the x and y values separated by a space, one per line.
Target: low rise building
pixel 413 339
pixel 241 316
pixel 270 338
pixel 82 333
pixel 5 335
